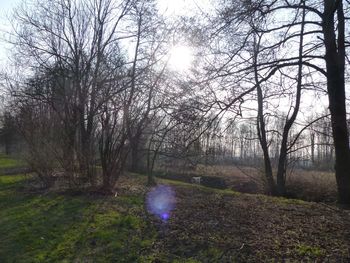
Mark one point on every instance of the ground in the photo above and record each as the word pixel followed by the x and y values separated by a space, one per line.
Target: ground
pixel 255 228
pixel 207 225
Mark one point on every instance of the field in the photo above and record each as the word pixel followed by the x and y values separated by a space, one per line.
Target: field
pixel 207 225
pixel 308 185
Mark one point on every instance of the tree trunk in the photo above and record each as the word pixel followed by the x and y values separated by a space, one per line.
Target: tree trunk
pixel 282 160
pixel 150 164
pixel 312 138
pixel 335 64
pixel 262 129
pixel 281 168
pixel 7 147
pixel 135 165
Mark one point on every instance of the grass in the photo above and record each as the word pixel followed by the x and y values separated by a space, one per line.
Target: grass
pixel 310 251
pixel 308 185
pixel 200 187
pixel 68 228
pixel 9 162
pixel 207 225
pixel 281 200
pixel 315 186
pixel 305 250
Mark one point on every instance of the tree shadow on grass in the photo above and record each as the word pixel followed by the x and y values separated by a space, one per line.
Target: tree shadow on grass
pixel 55 227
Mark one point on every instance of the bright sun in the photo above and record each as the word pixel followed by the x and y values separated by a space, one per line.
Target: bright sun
pixel 181 58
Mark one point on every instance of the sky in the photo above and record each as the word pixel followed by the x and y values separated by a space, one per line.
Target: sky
pixel 6 6
pixel 181 7
pixel 167 7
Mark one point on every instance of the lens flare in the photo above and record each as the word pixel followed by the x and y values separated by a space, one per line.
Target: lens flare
pixel 161 201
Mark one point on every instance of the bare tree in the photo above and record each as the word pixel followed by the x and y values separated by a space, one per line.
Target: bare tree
pixel 73 46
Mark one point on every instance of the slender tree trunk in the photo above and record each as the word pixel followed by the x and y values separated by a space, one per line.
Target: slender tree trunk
pixel 312 138
pixel 151 155
pixel 282 160
pixel 7 147
pixel 135 165
pixel 262 129
pixel 135 157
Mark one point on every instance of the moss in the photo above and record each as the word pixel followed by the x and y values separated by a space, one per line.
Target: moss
pixel 310 251
pixel 280 200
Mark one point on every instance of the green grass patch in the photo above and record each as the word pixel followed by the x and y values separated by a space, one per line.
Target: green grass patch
pixel 309 251
pixel 283 201
pixel 10 180
pixel 9 162
pixel 66 228
pixel 200 187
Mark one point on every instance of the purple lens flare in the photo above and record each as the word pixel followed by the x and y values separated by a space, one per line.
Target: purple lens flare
pixel 161 201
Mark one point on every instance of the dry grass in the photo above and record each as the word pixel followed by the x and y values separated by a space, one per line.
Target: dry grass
pixel 238 178
pixel 313 185
pixel 302 184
